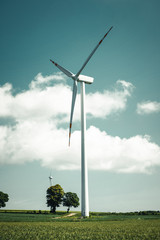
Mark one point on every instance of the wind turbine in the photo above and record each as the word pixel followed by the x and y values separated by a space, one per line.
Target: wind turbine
pixel 88 80
pixel 50 179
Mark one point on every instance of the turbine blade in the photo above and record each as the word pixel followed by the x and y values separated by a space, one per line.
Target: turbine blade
pixel 65 71
pixel 92 53
pixel 74 94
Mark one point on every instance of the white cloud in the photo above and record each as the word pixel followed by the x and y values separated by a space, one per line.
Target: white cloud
pixel 148 107
pixel 135 154
pixel 41 81
pixel 36 134
pixel 103 104
pixel 45 102
pixel 42 141
pixel 39 104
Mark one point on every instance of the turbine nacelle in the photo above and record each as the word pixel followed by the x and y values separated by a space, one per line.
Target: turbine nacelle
pixel 83 78
pixel 86 79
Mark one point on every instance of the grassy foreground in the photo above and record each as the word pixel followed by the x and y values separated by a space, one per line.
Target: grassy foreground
pixel 48 226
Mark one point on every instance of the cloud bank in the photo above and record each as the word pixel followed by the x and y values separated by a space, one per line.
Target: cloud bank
pixel 34 126
pixel 148 107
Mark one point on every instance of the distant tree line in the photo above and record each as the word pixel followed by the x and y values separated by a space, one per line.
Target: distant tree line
pixel 149 212
pixel 56 196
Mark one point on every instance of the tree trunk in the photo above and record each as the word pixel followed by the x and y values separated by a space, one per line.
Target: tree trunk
pixel 53 209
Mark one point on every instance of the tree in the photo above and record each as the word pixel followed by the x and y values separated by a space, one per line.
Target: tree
pixel 3 199
pixel 70 200
pixel 54 197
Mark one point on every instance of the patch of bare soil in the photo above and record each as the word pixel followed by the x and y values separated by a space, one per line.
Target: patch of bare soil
pixel 68 215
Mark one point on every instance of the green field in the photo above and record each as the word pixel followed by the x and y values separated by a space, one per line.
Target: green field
pixel 23 225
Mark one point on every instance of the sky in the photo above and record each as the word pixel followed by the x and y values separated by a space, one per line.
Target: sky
pixel 122 104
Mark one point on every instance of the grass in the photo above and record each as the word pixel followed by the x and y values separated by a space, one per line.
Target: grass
pixel 29 216
pixel 59 216
pixel 23 225
pixel 117 230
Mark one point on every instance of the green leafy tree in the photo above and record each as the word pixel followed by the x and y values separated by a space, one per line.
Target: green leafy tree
pixel 54 197
pixel 70 200
pixel 3 199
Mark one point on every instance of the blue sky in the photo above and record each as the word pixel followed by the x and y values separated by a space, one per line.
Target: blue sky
pixel 123 103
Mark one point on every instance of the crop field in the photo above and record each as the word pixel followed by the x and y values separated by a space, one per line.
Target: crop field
pixel 94 228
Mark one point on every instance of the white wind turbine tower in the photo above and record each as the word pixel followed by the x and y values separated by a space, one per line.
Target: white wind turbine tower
pixel 82 79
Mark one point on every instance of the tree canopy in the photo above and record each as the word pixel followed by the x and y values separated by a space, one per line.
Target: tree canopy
pixel 3 199
pixel 70 200
pixel 54 197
